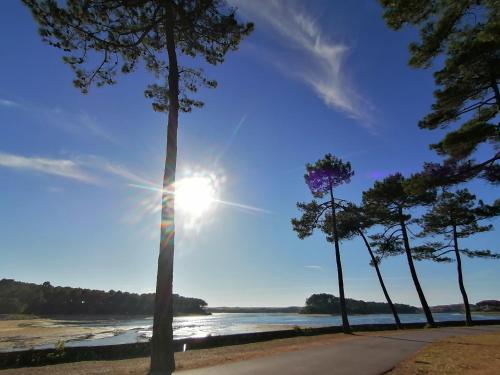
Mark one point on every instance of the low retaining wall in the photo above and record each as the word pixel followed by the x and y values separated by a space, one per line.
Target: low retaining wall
pixel 108 352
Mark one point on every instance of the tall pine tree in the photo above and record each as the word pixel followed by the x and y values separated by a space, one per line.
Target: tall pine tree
pixel 352 221
pixel 322 178
pixel 388 203
pixel 103 38
pixel 457 215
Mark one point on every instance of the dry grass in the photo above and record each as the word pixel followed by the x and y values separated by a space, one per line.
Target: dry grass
pixel 187 360
pixel 478 354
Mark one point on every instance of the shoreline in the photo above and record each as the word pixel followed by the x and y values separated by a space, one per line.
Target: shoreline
pixel 101 330
pixel 75 357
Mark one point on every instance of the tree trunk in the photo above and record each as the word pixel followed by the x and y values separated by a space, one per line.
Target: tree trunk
pixel 162 349
pixel 343 308
pixel 496 91
pixel 381 281
pixel 421 296
pixel 468 316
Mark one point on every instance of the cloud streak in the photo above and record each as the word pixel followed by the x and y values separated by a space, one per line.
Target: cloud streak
pixel 315 268
pixel 89 169
pixel 80 123
pixel 58 167
pixel 320 61
pixel 76 123
pixel 8 103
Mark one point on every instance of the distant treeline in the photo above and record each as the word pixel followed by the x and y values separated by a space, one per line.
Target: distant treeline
pixel 26 298
pixel 328 304
pixel 481 306
pixel 289 310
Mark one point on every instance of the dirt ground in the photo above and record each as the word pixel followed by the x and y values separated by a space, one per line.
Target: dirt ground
pixel 186 360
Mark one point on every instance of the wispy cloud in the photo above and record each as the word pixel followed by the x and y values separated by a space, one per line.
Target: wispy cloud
pixel 80 122
pixel 320 61
pixel 77 123
pixel 315 268
pixel 90 169
pixel 58 167
pixel 104 166
pixel 9 103
pixel 54 189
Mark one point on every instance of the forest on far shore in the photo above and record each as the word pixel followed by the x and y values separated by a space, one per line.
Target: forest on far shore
pixel 26 298
pixel 328 304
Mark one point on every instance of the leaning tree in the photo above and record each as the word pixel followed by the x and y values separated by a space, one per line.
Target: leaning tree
pixel 352 221
pixel 103 38
pixel 457 215
pixel 464 35
pixel 322 178
pixel 389 203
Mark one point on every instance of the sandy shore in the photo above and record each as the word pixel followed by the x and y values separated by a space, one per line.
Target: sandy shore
pixel 27 333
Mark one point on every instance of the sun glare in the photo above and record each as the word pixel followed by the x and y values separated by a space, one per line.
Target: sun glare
pixel 195 195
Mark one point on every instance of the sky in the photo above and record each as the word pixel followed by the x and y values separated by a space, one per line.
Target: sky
pixel 315 77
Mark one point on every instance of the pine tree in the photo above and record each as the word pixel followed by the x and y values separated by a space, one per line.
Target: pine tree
pixel 388 203
pixel 103 38
pixel 322 178
pixel 457 215
pixel 351 222
pixel 464 33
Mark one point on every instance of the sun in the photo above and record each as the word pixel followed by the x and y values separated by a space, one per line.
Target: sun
pixel 195 195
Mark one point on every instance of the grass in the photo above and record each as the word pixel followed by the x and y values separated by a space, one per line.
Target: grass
pixel 478 354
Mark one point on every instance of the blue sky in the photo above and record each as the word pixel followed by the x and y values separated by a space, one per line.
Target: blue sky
pixel 315 77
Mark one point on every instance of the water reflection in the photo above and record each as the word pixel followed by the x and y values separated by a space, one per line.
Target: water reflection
pixel 140 330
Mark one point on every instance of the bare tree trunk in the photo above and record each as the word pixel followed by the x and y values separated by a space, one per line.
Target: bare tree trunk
pixel 421 296
pixel 468 316
pixel 381 281
pixel 343 308
pixel 496 91
pixel 162 345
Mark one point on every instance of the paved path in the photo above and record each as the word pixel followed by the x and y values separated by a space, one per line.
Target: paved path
pixel 361 355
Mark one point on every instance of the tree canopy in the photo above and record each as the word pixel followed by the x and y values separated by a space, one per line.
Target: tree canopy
pixel 465 33
pixel 457 214
pixel 326 174
pixel 388 200
pixel 101 39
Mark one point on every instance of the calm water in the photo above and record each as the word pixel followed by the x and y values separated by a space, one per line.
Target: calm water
pixel 137 330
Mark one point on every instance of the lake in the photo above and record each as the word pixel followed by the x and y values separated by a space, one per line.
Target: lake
pixel 139 330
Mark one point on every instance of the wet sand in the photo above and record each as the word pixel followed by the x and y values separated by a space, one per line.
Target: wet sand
pixel 19 334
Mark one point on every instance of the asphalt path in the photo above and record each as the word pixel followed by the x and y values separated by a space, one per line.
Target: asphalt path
pixel 362 354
